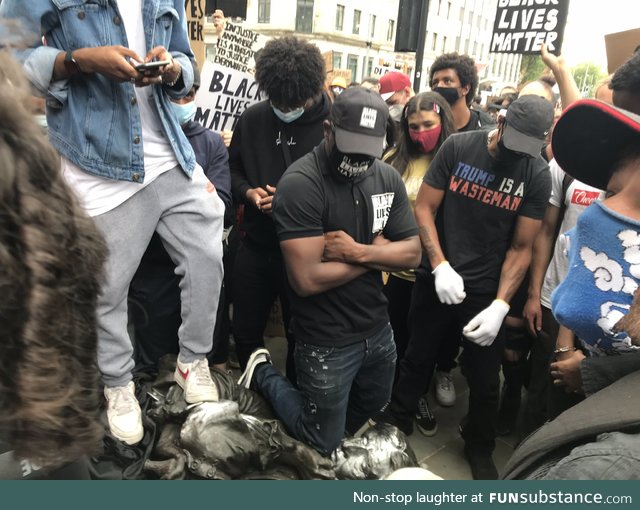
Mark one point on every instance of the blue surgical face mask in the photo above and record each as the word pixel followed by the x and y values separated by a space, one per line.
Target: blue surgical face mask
pixel 288 117
pixel 184 112
pixel 41 119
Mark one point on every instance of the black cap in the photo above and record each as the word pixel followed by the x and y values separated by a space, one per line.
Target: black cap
pixel 527 124
pixel 360 119
pixel 590 136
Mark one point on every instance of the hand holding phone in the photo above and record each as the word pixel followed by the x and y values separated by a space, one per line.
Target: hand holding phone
pixel 151 66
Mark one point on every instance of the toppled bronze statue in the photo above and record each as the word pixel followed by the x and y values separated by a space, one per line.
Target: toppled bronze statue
pixel 239 438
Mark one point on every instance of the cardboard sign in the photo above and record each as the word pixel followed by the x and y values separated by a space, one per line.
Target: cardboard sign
pixel 522 26
pixel 381 70
pixel 237 48
pixel 194 10
pixel 338 73
pixel 224 94
pixel 620 46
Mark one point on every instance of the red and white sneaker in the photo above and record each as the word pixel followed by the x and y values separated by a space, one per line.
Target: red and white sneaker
pixel 195 379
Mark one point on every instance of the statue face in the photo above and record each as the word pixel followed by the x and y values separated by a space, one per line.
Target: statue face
pixel 377 453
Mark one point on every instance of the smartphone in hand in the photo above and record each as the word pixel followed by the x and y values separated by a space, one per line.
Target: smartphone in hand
pixel 150 66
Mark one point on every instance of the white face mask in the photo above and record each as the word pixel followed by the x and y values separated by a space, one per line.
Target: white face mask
pixel 288 117
pixel 395 112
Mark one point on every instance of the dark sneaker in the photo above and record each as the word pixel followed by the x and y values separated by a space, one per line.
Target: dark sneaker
pixel 385 416
pixel 258 357
pixel 482 466
pixel 425 421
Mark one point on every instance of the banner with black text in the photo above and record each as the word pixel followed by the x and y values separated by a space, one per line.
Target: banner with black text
pixel 225 93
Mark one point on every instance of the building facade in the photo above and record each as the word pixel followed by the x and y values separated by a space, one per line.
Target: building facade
pixel 359 35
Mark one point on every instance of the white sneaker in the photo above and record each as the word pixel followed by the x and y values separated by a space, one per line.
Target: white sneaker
pixel 445 390
pixel 257 357
pixel 195 379
pixel 124 414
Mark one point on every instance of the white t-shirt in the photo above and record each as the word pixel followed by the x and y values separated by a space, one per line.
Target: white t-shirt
pixel 99 195
pixel 579 196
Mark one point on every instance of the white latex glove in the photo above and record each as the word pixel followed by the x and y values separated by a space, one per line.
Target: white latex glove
pixel 484 327
pixel 449 284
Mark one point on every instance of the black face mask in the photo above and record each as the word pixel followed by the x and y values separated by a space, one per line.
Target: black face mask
pixel 349 166
pixel 450 94
pixel 507 156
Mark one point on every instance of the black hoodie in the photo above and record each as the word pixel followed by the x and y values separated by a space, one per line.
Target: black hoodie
pixel 256 159
pixel 212 156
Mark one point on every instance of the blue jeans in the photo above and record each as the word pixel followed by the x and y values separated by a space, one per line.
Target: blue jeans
pixel 339 388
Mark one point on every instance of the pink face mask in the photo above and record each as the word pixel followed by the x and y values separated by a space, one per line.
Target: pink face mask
pixel 427 140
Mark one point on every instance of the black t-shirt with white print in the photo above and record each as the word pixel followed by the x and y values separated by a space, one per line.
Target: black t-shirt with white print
pixel 311 200
pixel 483 199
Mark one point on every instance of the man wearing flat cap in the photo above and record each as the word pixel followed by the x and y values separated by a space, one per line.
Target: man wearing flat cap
pixel 479 209
pixel 342 216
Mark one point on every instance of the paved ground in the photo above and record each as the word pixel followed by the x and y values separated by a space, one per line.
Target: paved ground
pixel 442 453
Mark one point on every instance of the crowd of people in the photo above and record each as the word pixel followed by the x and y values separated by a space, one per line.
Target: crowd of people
pixel 402 233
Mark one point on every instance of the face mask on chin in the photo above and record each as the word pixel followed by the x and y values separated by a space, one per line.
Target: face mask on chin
pixel 288 117
pixel 349 166
pixel 450 94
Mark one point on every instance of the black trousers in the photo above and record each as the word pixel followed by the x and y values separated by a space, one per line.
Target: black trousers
pixel 432 323
pixel 154 308
pixel 259 276
pixel 398 292
pixel 544 400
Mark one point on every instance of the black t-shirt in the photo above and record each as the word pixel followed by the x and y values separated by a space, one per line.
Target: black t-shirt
pixel 483 199
pixel 312 199
pixel 478 120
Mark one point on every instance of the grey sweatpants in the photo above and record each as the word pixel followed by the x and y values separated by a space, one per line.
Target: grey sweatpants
pixel 188 216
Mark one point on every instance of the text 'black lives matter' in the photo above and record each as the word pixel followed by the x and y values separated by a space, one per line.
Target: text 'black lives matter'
pixel 523 26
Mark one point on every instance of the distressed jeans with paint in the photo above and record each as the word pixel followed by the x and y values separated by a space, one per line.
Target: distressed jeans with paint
pixel 339 388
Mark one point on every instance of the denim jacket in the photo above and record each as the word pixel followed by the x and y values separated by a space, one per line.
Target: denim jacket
pixel 94 121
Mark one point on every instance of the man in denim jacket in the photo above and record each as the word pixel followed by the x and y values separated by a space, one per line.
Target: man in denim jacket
pixel 126 157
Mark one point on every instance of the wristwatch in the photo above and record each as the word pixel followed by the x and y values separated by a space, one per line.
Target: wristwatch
pixel 71 65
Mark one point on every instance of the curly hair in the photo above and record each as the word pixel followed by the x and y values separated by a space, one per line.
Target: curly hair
pixel 407 149
pixel 51 258
pixel 465 68
pixel 290 71
pixel 627 76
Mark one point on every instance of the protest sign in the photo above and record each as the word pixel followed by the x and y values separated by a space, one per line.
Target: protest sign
pixel 381 70
pixel 224 94
pixel 237 47
pixel 620 46
pixel 228 85
pixel 194 10
pixel 522 26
